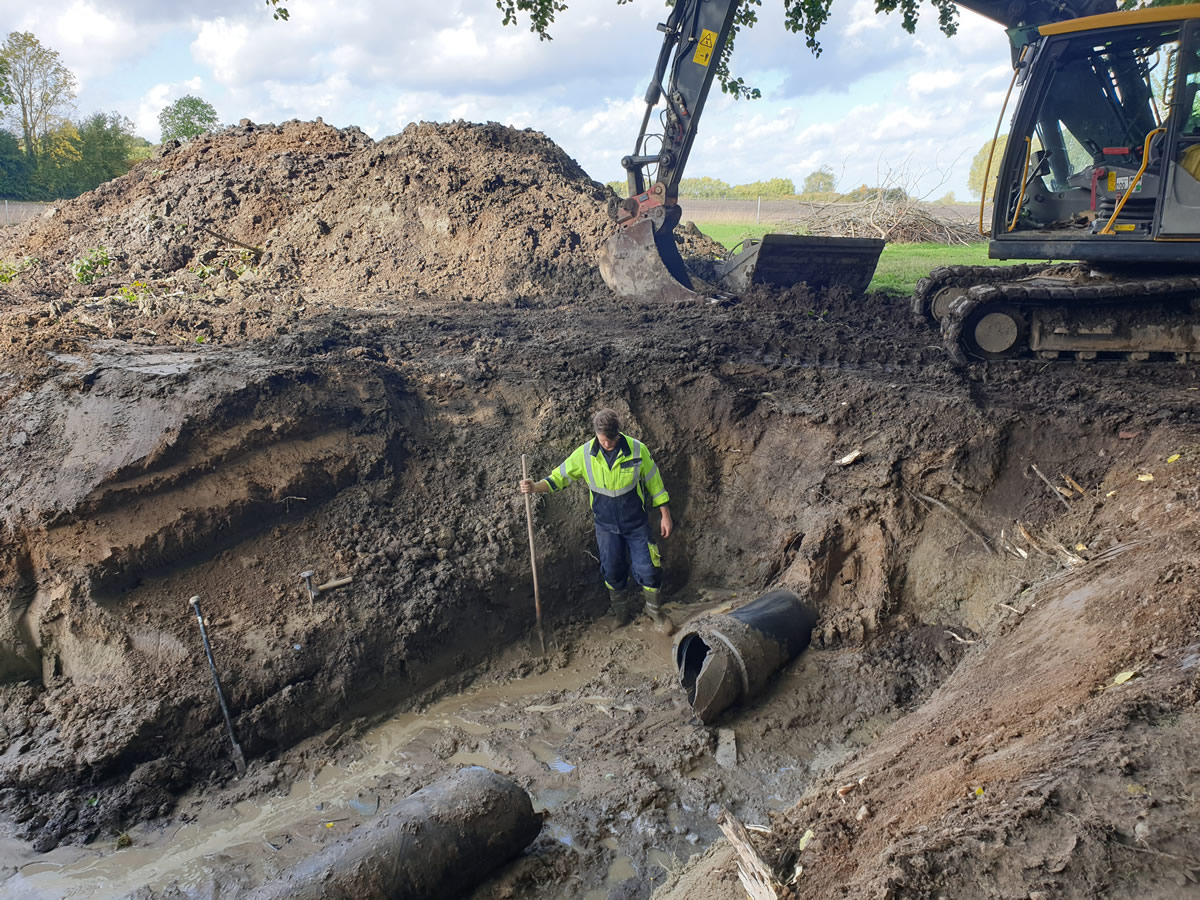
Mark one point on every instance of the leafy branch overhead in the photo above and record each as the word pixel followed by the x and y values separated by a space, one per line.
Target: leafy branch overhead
pixel 805 17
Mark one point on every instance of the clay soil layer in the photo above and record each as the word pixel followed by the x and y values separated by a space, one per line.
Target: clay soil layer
pixel 1000 699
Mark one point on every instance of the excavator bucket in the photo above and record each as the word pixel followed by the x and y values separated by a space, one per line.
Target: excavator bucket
pixel 639 263
pixel 783 260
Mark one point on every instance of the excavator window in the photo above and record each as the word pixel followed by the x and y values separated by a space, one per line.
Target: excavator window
pixel 1098 101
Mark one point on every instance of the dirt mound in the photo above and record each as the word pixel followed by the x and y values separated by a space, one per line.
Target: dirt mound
pixel 453 211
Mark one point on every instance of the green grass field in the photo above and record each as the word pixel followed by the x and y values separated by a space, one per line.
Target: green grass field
pixel 900 265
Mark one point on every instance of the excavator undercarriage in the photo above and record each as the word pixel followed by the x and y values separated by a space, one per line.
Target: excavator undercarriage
pixel 1064 311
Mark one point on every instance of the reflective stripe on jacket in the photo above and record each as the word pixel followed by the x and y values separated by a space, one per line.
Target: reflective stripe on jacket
pixel 618 492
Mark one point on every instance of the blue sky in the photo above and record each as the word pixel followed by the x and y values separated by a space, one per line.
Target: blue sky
pixel 878 105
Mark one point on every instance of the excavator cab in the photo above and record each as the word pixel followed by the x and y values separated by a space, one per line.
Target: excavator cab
pixel 1097 163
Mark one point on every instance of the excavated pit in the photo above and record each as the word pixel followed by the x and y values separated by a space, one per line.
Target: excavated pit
pixel 965 640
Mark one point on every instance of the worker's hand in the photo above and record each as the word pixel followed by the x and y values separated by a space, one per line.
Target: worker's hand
pixel 667 525
pixel 527 486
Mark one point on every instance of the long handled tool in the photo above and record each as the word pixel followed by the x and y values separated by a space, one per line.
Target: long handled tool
pixel 537 597
pixel 239 761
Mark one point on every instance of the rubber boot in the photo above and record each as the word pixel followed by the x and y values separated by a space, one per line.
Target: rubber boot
pixel 621 609
pixel 660 619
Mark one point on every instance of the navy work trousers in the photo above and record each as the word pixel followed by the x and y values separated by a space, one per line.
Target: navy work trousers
pixel 631 549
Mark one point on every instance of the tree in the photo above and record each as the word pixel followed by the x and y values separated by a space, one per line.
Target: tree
pixel 185 118
pixel 820 182
pixel 60 156
pixel 104 148
pixel 42 87
pixel 6 96
pixel 14 168
pixel 979 167
pixel 704 188
pixel 774 187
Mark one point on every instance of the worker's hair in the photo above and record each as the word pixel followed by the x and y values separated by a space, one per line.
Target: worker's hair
pixel 607 422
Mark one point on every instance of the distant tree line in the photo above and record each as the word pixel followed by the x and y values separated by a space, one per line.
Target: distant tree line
pixel 47 154
pixel 818 186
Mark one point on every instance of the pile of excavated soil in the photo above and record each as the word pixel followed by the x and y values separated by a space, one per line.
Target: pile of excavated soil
pixel 443 212
pixel 456 211
pixel 378 435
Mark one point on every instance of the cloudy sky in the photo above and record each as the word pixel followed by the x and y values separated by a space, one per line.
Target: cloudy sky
pixel 877 101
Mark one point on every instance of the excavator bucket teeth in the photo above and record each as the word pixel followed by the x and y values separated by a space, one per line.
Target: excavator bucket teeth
pixel 639 264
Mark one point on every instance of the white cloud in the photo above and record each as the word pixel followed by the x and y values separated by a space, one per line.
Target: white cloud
pixel 223 46
pixel 920 83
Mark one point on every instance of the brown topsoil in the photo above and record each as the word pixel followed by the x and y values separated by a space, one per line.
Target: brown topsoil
pixel 204 420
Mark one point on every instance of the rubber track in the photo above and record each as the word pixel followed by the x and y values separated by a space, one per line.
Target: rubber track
pixel 1100 290
pixel 969 276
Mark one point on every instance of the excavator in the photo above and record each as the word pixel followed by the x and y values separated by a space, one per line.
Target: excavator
pixel 1098 184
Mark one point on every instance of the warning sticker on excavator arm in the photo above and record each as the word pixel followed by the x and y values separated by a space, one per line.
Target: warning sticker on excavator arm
pixel 704 52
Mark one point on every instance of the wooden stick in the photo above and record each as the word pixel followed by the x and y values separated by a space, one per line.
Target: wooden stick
pixel 257 251
pixel 753 872
pixel 537 597
pixel 1054 490
pixel 967 526
pixel 961 640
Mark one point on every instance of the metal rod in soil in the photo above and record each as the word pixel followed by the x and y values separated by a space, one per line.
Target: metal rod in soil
pixel 239 761
pixel 537 597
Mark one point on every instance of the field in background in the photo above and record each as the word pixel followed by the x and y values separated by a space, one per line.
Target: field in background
pixel 901 266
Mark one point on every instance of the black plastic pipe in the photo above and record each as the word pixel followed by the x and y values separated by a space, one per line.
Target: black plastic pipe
pixel 439 842
pixel 726 659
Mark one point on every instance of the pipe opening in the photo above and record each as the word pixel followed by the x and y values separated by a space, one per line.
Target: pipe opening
pixel 689 659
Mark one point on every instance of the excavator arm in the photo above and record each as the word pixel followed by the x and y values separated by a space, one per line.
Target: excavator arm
pixel 694 38
pixel 642 260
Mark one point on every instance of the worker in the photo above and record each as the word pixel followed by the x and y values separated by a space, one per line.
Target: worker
pixel 622 477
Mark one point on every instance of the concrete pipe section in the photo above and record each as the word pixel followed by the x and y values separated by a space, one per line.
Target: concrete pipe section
pixel 724 660
pixel 439 842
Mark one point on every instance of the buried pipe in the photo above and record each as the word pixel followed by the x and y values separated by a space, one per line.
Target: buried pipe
pixel 726 659
pixel 439 842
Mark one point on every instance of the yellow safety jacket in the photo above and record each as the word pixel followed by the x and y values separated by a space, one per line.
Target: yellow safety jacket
pixel 618 492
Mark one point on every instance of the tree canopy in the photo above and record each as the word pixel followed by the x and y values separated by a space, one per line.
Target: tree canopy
pixel 805 17
pixel 820 182
pixel 186 117
pixel 6 96
pixel 44 152
pixel 42 88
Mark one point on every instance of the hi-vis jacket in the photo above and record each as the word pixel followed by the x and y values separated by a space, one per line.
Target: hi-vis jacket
pixel 618 493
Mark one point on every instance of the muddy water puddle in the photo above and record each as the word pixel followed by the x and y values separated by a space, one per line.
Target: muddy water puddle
pixel 605 745
pixel 265 835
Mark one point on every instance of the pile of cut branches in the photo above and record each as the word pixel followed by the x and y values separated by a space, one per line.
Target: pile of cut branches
pixel 898 220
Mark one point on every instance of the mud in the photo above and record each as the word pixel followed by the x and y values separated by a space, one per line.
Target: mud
pixel 323 424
